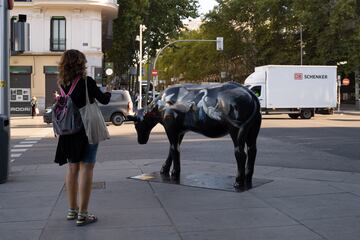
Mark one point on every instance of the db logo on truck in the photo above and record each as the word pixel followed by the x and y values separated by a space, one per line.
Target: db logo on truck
pixel 298 76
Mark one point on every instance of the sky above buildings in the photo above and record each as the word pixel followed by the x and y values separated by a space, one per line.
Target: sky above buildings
pixel 206 5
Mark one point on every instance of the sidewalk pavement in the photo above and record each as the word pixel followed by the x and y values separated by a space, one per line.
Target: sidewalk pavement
pixel 296 204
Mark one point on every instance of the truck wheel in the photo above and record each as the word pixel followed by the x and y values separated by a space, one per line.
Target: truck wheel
pixel 306 114
pixel 294 115
pixel 117 119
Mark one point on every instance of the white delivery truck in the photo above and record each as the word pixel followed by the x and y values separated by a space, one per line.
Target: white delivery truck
pixel 295 90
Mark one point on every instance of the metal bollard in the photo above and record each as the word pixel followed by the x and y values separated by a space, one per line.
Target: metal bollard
pixel 4 147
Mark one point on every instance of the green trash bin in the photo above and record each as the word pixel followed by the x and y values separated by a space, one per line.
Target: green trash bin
pixel 4 147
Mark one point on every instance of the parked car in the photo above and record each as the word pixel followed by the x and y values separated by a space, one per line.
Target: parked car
pixel 115 111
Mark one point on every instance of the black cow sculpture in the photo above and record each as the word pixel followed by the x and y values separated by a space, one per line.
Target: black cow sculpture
pixel 213 110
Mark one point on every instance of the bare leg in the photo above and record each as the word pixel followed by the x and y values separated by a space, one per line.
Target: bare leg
pixel 85 184
pixel 72 184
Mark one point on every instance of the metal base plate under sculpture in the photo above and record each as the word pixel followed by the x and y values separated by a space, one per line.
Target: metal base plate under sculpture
pixel 201 180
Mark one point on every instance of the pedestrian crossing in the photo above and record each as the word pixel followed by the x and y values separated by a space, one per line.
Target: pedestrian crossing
pixel 19 149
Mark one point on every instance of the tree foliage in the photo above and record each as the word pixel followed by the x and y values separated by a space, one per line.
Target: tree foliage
pixel 261 32
pixel 163 20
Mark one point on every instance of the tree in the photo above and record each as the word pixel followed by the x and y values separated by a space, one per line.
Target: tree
pixel 262 32
pixel 162 19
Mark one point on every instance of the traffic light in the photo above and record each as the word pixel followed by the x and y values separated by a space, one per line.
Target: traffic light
pixel 109 68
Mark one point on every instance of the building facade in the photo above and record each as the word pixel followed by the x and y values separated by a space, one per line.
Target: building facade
pixel 56 26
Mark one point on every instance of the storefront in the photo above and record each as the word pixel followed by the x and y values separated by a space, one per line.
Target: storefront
pixel 20 89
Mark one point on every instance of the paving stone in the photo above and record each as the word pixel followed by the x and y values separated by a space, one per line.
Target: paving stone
pixel 290 187
pixel 190 199
pixel 24 214
pixel 318 206
pixel 348 187
pixel 297 232
pixel 89 233
pixel 20 234
pixel 34 183
pixel 113 218
pixel 339 228
pixel 11 200
pixel 23 225
pixel 208 220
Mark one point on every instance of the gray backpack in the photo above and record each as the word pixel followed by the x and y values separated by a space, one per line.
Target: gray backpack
pixel 66 117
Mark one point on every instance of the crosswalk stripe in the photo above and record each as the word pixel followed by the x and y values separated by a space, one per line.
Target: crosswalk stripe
pixel 28 142
pixel 15 155
pixel 18 150
pixel 23 146
pixel 33 139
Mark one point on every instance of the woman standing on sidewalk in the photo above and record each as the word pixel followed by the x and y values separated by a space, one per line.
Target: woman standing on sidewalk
pixel 75 149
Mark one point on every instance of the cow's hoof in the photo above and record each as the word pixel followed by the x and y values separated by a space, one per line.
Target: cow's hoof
pixel 165 172
pixel 175 175
pixel 239 186
pixel 248 180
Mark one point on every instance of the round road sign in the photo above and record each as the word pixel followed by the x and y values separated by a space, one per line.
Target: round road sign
pixel 346 82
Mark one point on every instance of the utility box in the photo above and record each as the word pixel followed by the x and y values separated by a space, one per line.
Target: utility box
pixel 4 147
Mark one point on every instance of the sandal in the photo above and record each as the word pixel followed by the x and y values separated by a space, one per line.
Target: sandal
pixel 72 214
pixel 85 218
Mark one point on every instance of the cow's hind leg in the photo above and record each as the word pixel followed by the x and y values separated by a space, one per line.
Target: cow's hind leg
pixel 251 150
pixel 240 155
pixel 165 169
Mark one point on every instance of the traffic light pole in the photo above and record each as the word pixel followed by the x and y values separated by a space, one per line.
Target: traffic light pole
pixel 4 90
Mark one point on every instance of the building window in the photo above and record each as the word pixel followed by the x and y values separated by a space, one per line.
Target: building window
pixel 58 34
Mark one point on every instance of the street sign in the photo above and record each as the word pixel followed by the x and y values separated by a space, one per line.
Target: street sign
pixel 346 82
pixel 219 43
pixel 154 72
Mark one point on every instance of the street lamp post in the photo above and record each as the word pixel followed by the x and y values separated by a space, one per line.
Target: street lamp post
pixel 5 6
pixel 141 29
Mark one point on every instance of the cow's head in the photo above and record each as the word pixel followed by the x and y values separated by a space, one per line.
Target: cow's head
pixel 144 121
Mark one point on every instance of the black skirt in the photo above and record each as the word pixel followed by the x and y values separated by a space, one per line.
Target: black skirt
pixel 71 148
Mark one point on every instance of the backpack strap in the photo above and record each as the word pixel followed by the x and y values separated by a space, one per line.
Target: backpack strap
pixel 73 85
pixel 71 89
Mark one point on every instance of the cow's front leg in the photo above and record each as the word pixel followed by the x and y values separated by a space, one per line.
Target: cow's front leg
pixel 175 155
pixel 165 169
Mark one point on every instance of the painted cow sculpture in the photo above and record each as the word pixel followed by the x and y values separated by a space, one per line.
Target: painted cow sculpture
pixel 213 110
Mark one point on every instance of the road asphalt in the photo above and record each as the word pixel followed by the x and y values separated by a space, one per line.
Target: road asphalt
pixel 289 204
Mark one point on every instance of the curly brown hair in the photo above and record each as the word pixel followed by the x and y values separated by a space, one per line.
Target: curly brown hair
pixel 72 65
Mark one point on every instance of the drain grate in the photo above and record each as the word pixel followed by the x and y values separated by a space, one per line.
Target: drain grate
pixel 95 185
pixel 98 185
